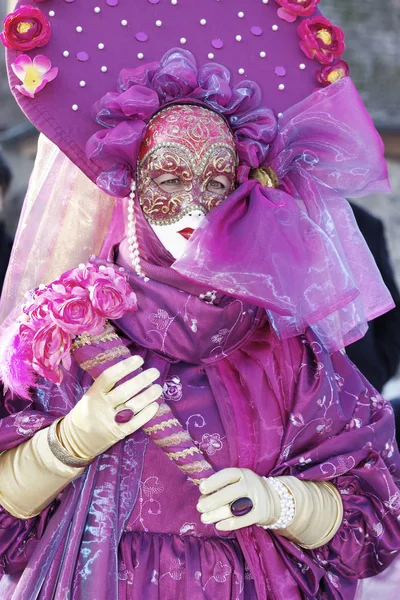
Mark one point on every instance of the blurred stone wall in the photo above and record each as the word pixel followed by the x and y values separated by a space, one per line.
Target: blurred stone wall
pixel 372 38
pixel 18 140
pixel 372 31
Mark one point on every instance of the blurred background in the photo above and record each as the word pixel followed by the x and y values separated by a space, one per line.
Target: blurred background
pixel 373 39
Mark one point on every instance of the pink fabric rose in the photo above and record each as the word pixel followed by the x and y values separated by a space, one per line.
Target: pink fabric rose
pixel 291 9
pixel 320 39
pixel 79 302
pixel 26 333
pixel 76 314
pixel 108 300
pixel 331 73
pixel 40 314
pixel 26 28
pixel 50 346
pixel 111 294
pixel 82 277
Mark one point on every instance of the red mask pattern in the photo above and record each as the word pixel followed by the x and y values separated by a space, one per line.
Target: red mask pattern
pixel 192 144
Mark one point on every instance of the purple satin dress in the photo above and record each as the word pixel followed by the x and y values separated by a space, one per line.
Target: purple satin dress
pixel 128 527
pixel 166 551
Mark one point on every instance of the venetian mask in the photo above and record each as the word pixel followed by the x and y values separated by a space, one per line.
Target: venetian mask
pixel 187 166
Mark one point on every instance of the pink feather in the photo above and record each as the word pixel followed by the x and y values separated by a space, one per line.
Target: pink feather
pixel 16 370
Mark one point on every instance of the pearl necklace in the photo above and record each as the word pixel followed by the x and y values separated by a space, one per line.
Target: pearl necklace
pixel 133 243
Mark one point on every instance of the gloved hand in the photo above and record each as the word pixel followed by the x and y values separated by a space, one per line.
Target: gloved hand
pixel 90 427
pixel 226 486
pixel 31 476
pixel 318 505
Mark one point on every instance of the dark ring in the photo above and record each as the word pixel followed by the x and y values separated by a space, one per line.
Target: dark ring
pixel 241 507
pixel 124 416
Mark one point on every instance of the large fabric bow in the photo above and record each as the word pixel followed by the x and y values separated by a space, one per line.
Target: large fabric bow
pixel 297 251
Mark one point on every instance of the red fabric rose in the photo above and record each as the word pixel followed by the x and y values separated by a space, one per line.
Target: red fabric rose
pixel 331 73
pixel 26 28
pixel 321 39
pixel 291 9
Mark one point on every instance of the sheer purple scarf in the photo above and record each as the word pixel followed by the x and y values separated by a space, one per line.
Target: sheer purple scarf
pixel 296 250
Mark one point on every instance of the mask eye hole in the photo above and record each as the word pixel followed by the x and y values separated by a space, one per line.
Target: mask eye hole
pixel 168 183
pixel 219 185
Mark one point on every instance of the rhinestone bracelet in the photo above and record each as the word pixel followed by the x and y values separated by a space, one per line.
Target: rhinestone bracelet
pixel 288 507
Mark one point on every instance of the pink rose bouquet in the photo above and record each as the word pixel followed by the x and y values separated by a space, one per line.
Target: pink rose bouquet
pixel 69 318
pixel 25 29
pixel 291 9
pixel 320 39
pixel 40 340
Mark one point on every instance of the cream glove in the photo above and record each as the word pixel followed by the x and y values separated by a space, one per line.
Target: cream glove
pixel 90 427
pixel 31 476
pixel 318 505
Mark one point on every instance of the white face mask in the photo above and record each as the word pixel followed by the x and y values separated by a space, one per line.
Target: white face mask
pixel 175 237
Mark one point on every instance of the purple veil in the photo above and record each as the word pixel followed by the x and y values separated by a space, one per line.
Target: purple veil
pixel 297 251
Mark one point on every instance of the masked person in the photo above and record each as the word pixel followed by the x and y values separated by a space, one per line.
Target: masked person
pixel 232 232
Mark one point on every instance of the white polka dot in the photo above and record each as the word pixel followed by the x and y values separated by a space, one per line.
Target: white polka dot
pixel 100 46
pixel 124 22
pixel 158 23
pixel 280 115
pixel 263 54
pixel 265 1
pixel 140 55
pixel 241 71
pixel 52 13
pixel 183 40
pixel 203 22
pixel 240 15
pixel 75 107
pixel 238 38
pixel 275 27
pixel 174 1
pixel 302 66
pixel 97 9
pixel 104 69
pixel 66 53
pixel 210 55
pixel 79 29
pixel 281 86
pixel 82 83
